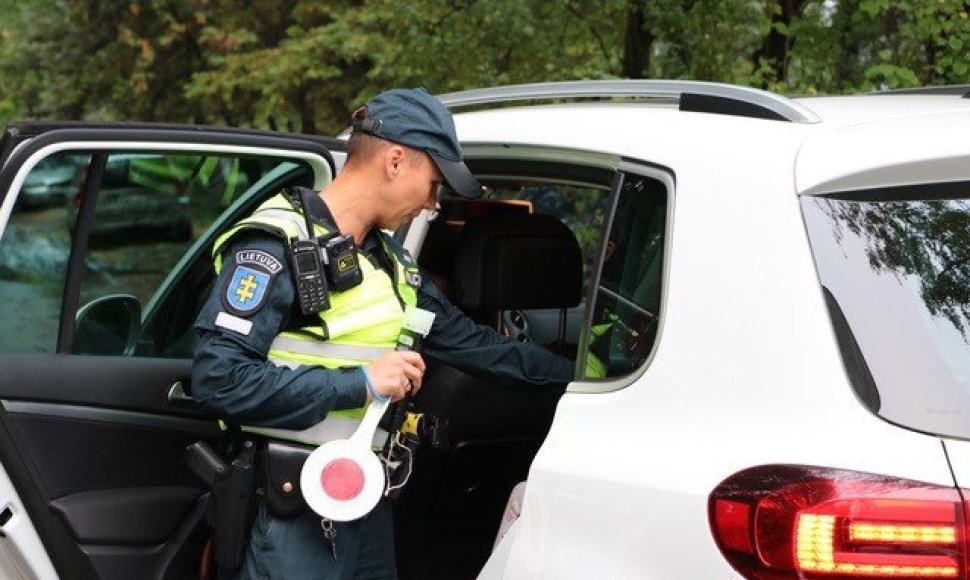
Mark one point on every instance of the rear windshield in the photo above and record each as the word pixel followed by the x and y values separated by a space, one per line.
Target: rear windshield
pixel 896 272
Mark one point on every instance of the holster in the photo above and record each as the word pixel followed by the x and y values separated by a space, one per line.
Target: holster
pixel 233 494
pixel 281 467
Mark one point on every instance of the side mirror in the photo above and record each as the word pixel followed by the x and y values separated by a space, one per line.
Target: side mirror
pixel 108 326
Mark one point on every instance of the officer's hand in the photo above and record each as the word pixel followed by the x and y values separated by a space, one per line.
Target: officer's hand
pixel 396 373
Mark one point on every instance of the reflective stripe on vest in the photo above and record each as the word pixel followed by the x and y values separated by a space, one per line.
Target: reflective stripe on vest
pixel 361 324
pixel 328 349
pixel 330 429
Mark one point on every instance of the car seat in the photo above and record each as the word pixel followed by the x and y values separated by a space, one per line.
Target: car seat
pixel 517 261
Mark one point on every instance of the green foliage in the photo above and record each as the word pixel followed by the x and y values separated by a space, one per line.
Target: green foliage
pixel 8 111
pixel 304 65
pixel 708 39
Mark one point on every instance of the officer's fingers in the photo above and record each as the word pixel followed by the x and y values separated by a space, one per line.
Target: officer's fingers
pixel 412 358
pixel 413 374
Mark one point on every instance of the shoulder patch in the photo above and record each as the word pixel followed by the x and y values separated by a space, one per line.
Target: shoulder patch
pixel 248 286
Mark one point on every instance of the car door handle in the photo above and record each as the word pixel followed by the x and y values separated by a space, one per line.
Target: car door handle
pixel 177 394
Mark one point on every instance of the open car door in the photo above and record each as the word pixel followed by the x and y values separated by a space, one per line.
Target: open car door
pixel 105 235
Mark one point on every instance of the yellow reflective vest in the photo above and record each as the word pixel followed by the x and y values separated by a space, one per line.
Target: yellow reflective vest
pixel 361 324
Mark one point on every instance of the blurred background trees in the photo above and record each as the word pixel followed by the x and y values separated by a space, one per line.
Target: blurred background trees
pixel 304 65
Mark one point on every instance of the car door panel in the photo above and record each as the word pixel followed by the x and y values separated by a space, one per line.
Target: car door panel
pixel 137 516
pixel 95 445
pixel 112 477
pixel 135 384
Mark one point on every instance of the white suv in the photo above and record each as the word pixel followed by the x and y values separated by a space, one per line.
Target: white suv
pixel 770 320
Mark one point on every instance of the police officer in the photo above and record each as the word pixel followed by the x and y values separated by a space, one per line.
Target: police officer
pixel 262 361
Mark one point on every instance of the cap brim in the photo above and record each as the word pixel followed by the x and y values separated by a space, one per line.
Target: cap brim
pixel 458 176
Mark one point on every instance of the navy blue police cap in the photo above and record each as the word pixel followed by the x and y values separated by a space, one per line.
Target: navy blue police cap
pixel 413 117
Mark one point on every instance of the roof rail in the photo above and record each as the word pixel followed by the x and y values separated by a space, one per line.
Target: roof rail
pixel 695 96
pixel 963 91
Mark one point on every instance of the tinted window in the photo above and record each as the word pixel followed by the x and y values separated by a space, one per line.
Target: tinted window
pixel 897 275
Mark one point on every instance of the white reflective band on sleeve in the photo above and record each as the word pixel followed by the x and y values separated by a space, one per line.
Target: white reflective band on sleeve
pixel 330 429
pixel 240 325
pixel 325 349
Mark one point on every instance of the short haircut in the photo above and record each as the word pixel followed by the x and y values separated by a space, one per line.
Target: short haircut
pixel 362 147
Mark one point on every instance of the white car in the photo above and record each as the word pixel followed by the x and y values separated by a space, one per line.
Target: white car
pixel 768 300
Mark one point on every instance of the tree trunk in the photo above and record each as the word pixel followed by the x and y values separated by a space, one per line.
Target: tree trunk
pixel 308 120
pixel 777 44
pixel 637 42
pixel 846 68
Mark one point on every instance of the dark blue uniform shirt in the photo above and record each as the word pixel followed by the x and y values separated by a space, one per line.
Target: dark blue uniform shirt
pixel 231 376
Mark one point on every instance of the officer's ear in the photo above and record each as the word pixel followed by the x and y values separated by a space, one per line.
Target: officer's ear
pixel 394 158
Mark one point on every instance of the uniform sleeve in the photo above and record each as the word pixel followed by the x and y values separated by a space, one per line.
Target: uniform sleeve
pixel 457 340
pixel 231 376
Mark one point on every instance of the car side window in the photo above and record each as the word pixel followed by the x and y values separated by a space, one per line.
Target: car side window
pixel 626 309
pixel 576 196
pixel 144 262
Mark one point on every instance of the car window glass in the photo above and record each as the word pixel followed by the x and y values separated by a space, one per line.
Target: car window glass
pixel 167 330
pixel 627 303
pixel 144 266
pixel 34 251
pixel 149 211
pixel 894 265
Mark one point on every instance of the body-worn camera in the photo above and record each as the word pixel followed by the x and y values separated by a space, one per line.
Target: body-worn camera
pixel 343 269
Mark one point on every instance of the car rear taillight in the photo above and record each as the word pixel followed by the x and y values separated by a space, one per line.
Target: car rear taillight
pixel 779 521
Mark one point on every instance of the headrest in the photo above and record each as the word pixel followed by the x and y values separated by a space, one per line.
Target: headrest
pixel 518 261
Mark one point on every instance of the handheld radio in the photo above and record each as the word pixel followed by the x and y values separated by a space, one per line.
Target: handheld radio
pixel 309 275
